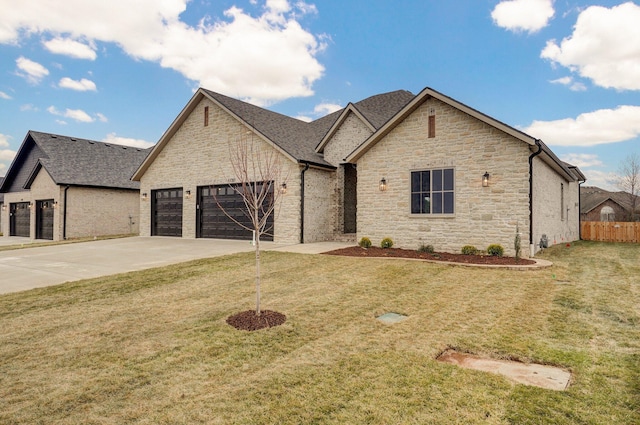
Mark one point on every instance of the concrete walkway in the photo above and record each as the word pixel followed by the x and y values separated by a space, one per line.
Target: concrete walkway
pixel 35 267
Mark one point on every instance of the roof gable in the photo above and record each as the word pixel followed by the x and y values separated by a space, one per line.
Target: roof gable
pixel 74 161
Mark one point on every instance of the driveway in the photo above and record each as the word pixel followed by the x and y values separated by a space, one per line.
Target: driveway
pixel 28 268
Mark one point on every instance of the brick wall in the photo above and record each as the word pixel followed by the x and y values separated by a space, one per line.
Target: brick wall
pixel 594 215
pixel 483 215
pixel 553 216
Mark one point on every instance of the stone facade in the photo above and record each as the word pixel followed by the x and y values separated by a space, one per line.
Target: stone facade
pixel 90 211
pixel 199 155
pixel 483 215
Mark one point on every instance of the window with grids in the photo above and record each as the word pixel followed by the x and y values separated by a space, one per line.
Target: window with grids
pixel 432 191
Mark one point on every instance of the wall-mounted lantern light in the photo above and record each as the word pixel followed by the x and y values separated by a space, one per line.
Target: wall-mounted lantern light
pixel 283 188
pixel 485 179
pixel 30 204
pixel 4 207
pixel 188 194
pixel 383 185
pixel 145 196
pixel 55 204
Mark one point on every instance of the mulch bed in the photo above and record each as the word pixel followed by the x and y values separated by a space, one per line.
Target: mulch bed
pixel 250 321
pixel 356 251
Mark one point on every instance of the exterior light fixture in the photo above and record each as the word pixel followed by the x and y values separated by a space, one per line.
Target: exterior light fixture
pixel 383 185
pixel 188 194
pixel 485 179
pixel 144 196
pixel 30 204
pixel 4 207
pixel 55 204
pixel 283 188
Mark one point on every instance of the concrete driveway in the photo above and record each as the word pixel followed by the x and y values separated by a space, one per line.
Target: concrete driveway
pixel 34 267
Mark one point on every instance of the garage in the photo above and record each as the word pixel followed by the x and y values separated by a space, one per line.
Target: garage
pixel 19 219
pixel 44 219
pixel 211 220
pixel 166 212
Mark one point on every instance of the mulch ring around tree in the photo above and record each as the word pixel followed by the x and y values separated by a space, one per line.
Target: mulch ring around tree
pixel 356 251
pixel 250 321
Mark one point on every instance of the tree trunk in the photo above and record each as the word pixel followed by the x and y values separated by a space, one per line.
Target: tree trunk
pixel 257 233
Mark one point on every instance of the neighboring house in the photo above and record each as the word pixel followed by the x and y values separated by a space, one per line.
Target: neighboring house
pixel 1 204
pixel 60 187
pixel 420 169
pixel 601 205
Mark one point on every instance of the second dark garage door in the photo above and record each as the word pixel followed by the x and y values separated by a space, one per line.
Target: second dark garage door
pixel 211 220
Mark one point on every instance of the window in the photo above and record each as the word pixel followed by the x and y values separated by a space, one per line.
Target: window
pixel 607 214
pixel 206 116
pixel 432 191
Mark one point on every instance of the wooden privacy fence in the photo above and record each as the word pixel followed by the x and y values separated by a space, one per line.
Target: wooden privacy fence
pixel 610 231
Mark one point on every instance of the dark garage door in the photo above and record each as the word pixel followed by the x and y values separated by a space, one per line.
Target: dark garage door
pixel 44 219
pixel 166 212
pixel 212 222
pixel 19 219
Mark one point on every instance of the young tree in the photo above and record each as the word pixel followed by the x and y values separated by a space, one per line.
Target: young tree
pixel 261 182
pixel 629 181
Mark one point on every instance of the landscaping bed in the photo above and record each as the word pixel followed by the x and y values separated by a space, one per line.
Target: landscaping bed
pixel 356 251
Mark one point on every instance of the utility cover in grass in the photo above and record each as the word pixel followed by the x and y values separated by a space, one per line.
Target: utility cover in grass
pixel 391 318
pixel 548 377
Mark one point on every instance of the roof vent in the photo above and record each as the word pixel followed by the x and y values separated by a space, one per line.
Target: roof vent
pixel 73 139
pixel 107 145
pixel 54 136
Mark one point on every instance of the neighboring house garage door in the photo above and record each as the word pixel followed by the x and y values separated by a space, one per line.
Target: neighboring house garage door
pixel 19 219
pixel 44 219
pixel 211 220
pixel 166 212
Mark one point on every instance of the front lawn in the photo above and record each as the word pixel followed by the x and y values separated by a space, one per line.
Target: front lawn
pixel 152 347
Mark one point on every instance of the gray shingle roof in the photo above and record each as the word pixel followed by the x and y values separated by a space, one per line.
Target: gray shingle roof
pixel 591 197
pixel 74 161
pixel 299 138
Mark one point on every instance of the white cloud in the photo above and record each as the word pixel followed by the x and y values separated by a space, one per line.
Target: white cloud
pixel 116 140
pixel 569 82
pixel 222 56
pixel 4 141
pixel 304 118
pixel 604 47
pixel 32 71
pixel 591 128
pixel 75 114
pixel 326 109
pixel 100 117
pixel 523 15
pixel 82 85
pixel 28 107
pixel 582 160
pixel 5 96
pixel 602 179
pixel 70 47
pixel 6 155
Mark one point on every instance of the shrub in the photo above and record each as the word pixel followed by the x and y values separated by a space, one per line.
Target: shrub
pixel 365 242
pixel 386 243
pixel 495 250
pixel 469 250
pixel 426 248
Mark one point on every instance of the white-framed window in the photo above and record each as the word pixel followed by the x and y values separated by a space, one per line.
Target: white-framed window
pixel 433 191
pixel 607 214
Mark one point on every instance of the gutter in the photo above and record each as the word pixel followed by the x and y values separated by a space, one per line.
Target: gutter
pixel 304 170
pixel 64 214
pixel 533 155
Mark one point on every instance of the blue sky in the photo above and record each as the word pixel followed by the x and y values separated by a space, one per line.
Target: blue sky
pixel 567 72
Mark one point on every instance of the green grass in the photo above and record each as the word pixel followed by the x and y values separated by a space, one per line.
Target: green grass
pixel 153 347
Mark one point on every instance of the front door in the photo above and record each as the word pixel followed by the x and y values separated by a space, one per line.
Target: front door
pixel 44 219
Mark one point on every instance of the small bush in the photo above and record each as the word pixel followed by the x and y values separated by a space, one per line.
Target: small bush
pixel 495 250
pixel 386 243
pixel 365 242
pixel 426 248
pixel 469 250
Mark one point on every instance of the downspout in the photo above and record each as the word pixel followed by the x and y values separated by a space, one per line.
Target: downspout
pixel 580 210
pixel 64 214
pixel 533 155
pixel 306 167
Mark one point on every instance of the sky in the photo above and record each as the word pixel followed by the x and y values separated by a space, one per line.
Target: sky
pixel 564 71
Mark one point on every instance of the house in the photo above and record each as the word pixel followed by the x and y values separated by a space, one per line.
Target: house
pixel 601 205
pixel 60 187
pixel 420 169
